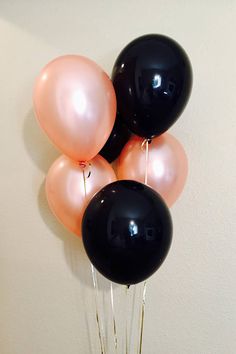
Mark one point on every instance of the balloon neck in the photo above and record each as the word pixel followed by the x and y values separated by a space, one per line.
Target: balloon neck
pixel 144 143
pixel 83 164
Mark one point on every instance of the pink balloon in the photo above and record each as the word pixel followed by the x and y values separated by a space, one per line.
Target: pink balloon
pixel 167 165
pixel 65 188
pixel 75 103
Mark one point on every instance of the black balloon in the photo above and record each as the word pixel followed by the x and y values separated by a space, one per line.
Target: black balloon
pixel 152 77
pixel 116 141
pixel 127 231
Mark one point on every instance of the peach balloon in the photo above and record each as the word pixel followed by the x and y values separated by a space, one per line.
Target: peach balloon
pixel 75 103
pixel 65 188
pixel 167 165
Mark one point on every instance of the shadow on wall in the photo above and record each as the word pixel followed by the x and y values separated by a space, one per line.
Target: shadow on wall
pixel 43 154
pixel 37 144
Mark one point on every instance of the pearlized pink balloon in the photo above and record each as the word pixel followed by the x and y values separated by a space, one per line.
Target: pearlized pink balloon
pixel 75 103
pixel 65 188
pixel 167 165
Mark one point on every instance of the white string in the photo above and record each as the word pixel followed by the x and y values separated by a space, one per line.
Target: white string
pixel 142 317
pixel 126 321
pixel 94 278
pixel 146 161
pixel 134 288
pixel 113 317
pixel 100 330
pixel 142 310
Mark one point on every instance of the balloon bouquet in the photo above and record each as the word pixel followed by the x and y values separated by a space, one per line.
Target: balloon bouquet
pixel 125 224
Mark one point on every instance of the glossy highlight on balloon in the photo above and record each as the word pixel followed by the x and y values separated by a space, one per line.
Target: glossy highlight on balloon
pixel 75 103
pixel 127 231
pixel 167 165
pixel 69 191
pixel 152 78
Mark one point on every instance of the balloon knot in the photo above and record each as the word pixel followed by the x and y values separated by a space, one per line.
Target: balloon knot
pixel 83 165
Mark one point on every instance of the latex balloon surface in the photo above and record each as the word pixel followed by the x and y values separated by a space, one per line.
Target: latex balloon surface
pixel 167 165
pixel 65 188
pixel 152 77
pixel 127 231
pixel 118 138
pixel 75 104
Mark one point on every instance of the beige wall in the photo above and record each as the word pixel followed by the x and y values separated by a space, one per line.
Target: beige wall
pixel 44 274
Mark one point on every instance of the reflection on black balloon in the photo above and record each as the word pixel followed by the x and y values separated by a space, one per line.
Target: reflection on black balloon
pixel 152 78
pixel 127 231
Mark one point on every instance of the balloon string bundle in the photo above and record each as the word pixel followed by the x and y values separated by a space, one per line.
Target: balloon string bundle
pixel 94 275
pixel 126 332
pixel 99 325
pixel 115 339
pixel 133 307
pixel 143 303
pixel 146 142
